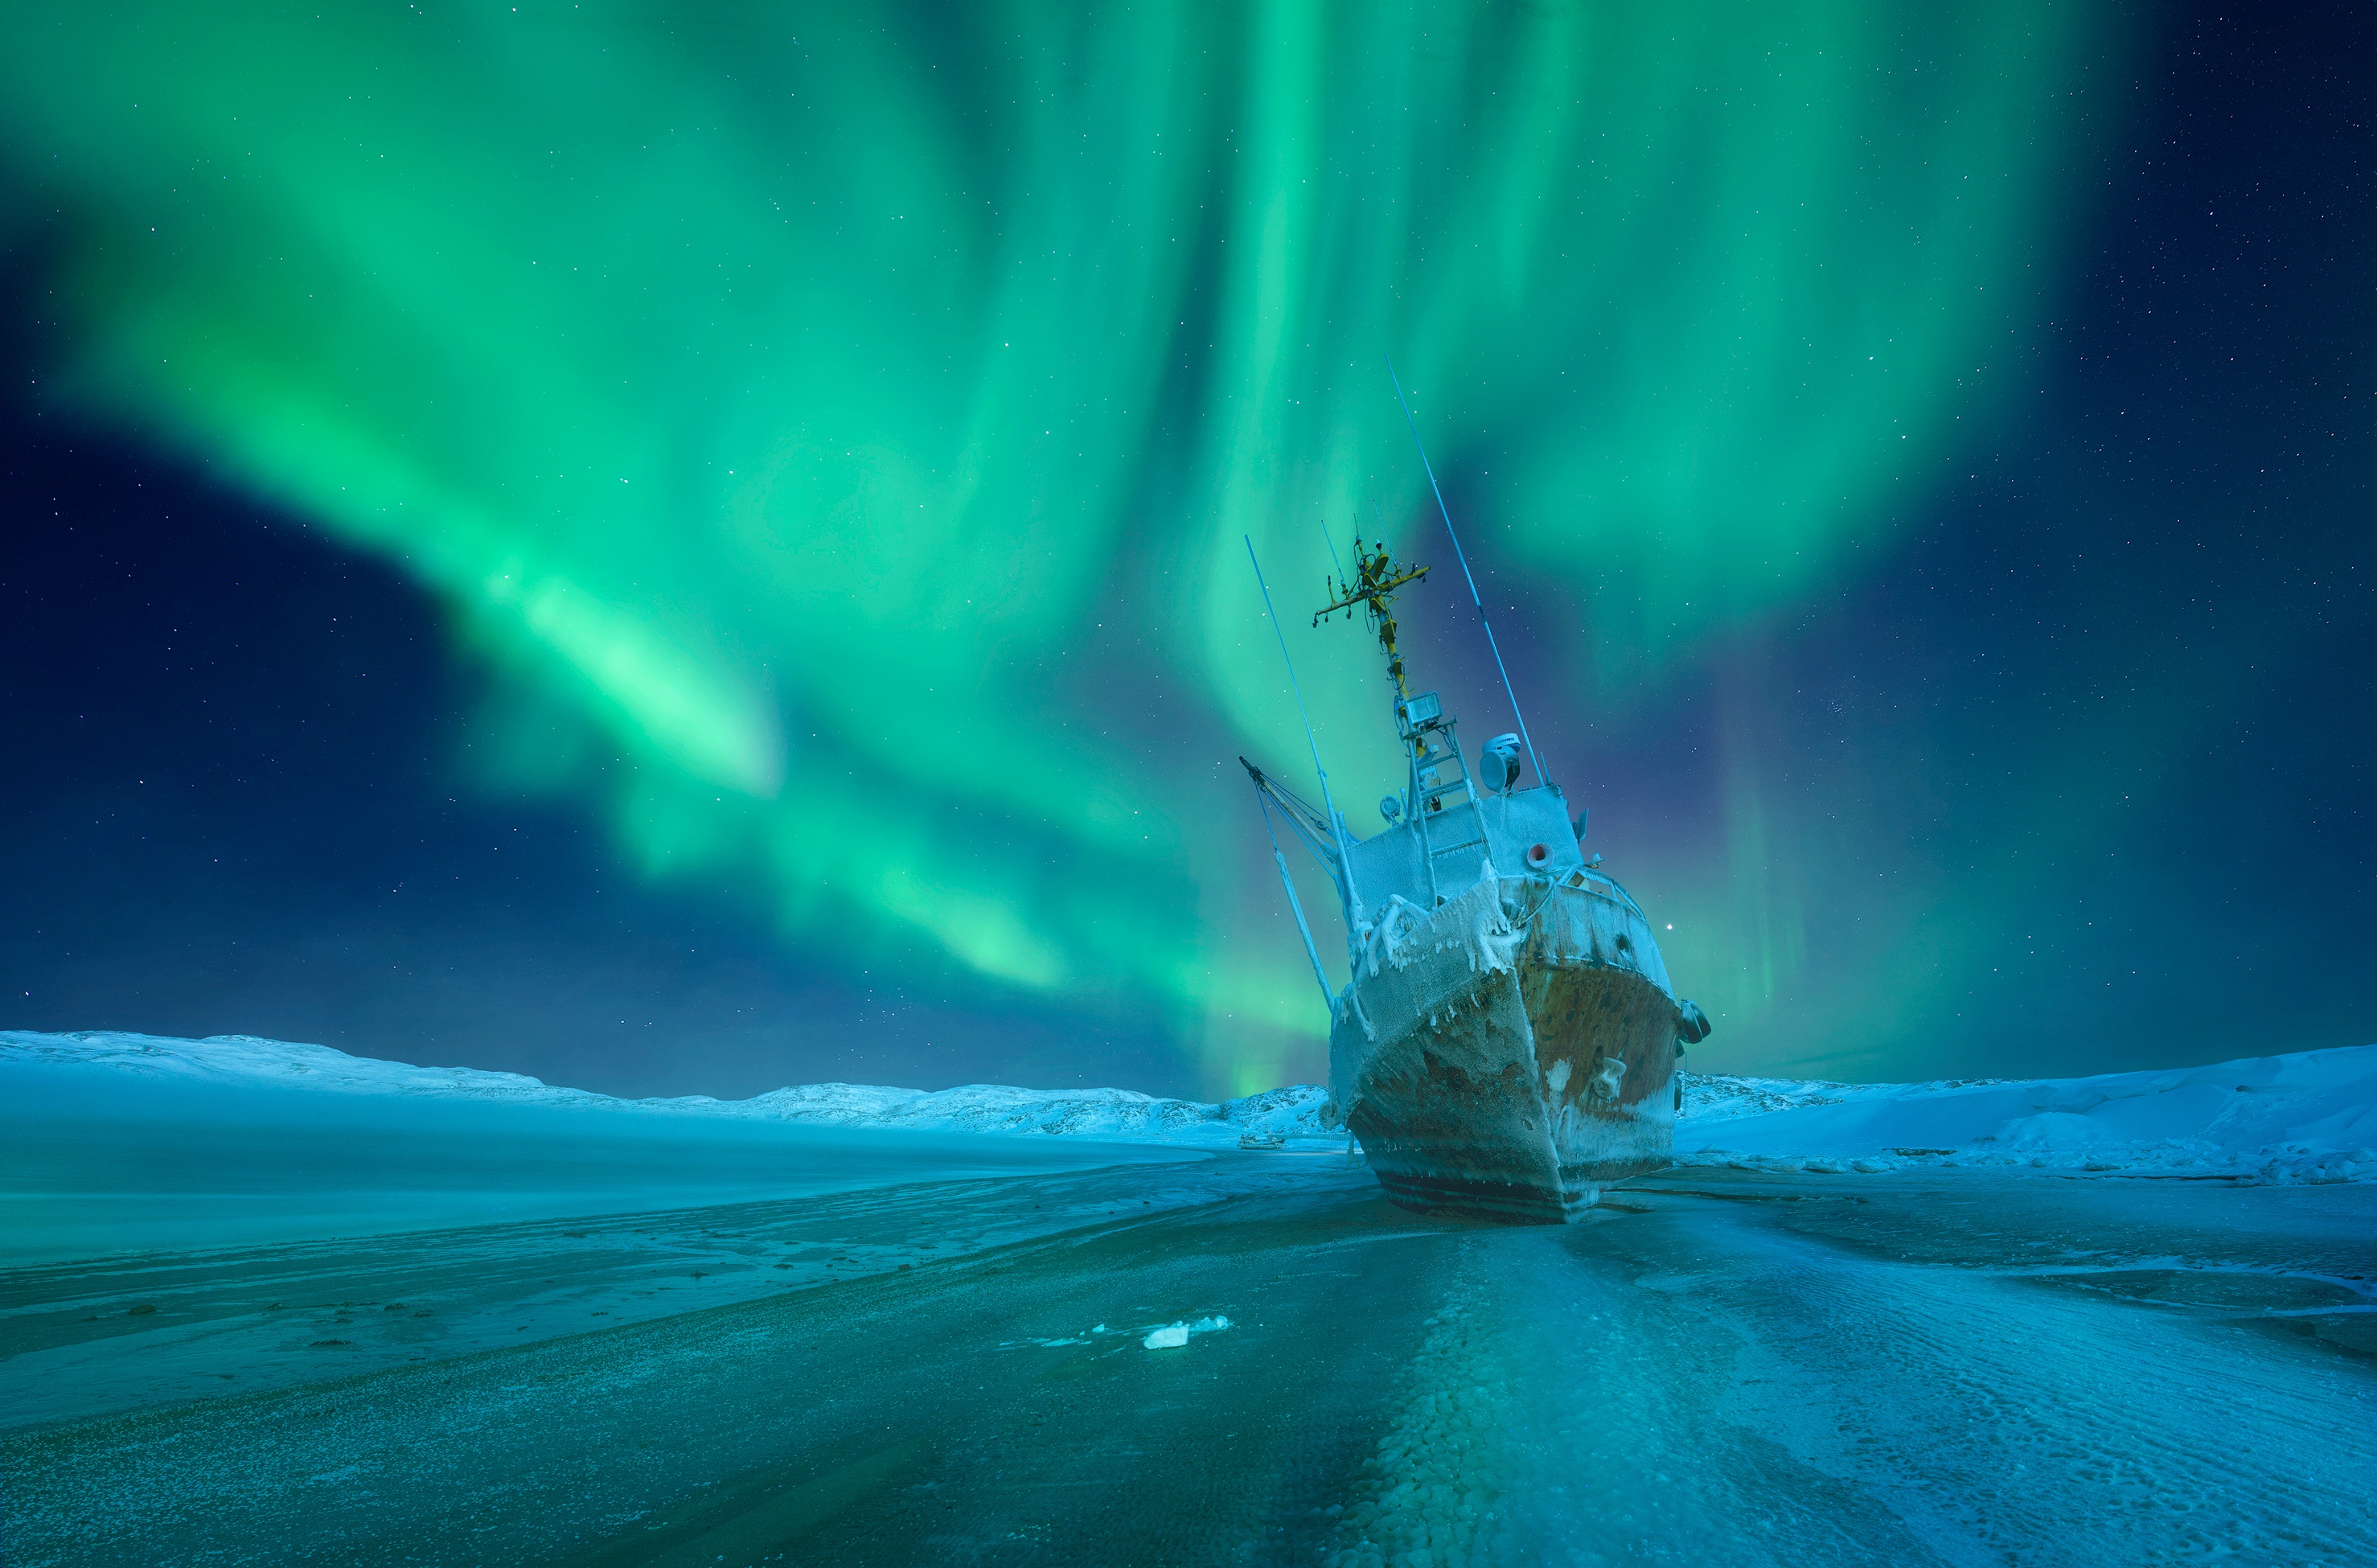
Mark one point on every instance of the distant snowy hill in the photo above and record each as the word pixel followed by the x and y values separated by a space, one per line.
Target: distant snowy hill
pixel 1084 1113
pixel 2308 1116
pixel 1117 1115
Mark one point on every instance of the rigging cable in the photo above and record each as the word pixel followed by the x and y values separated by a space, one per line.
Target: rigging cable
pixel 1296 906
pixel 1336 823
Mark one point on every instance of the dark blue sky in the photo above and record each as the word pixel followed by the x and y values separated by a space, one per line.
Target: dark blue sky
pixel 234 809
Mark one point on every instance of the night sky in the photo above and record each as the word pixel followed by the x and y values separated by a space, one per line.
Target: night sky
pixel 683 555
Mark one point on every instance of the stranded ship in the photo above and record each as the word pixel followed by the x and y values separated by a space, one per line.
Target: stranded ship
pixel 1509 1042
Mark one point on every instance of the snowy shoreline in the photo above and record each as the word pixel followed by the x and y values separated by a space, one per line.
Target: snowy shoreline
pixel 2307 1117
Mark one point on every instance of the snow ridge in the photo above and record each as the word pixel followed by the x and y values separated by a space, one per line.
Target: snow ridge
pixel 2307 1117
pixel 1116 1114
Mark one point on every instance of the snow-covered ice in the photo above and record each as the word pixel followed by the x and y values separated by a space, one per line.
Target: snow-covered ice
pixel 1778 1371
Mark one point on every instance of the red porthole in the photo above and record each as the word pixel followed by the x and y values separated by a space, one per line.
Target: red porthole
pixel 1539 856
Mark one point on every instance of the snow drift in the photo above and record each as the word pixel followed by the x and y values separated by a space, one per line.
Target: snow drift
pixel 2307 1117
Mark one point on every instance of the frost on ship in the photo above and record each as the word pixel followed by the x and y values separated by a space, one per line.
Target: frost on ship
pixel 1508 1043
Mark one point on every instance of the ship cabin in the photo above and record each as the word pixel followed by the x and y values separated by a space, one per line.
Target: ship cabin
pixel 1445 829
pixel 1450 823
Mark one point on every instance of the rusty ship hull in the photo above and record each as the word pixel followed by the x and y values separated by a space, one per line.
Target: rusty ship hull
pixel 1512 1053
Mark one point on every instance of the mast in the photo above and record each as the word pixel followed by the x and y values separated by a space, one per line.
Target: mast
pixel 1376 575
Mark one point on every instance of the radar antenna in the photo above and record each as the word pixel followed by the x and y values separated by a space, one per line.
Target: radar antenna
pixel 1376 575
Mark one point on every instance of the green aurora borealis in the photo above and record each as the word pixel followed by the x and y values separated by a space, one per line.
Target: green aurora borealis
pixel 847 419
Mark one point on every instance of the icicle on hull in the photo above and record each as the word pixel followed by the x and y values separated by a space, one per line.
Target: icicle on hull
pixel 1511 1054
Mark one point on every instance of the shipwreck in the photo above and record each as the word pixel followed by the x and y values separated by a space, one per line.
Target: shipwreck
pixel 1509 1040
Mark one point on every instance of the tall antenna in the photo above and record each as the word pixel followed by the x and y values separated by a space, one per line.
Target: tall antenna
pixel 1446 513
pixel 1336 825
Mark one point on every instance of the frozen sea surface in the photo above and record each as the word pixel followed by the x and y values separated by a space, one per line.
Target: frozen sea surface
pixel 1934 1367
pixel 1733 1362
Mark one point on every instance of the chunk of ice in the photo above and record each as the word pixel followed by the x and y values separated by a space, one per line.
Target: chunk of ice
pixel 1171 1336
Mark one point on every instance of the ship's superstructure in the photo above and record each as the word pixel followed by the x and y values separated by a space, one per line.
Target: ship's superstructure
pixel 1508 1042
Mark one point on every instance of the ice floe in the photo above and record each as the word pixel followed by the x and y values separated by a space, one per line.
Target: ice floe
pixel 1172 1336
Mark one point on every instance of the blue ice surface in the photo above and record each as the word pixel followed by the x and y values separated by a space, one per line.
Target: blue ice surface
pixel 94 1163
